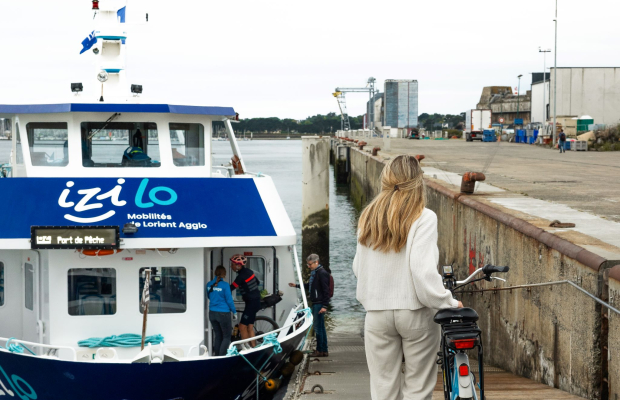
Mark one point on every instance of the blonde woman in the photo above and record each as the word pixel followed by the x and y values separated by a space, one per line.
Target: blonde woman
pixel 399 286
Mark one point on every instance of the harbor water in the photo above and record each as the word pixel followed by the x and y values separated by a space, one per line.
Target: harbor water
pixel 281 159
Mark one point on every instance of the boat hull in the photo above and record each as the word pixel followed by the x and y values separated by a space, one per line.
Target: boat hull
pixel 28 378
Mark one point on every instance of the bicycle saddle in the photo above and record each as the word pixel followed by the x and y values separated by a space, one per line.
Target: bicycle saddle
pixel 449 314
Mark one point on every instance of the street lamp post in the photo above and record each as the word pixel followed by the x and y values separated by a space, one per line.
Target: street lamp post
pixel 544 83
pixel 555 76
pixel 518 95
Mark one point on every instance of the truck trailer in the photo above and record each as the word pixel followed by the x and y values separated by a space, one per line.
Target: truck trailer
pixel 476 121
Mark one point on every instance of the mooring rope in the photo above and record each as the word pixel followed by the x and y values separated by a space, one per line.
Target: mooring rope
pixel 17 347
pixel 270 339
pixel 124 340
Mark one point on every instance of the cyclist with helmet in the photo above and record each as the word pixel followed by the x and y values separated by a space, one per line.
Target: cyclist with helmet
pixel 248 285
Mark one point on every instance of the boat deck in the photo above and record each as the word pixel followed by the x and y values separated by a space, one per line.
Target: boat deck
pixel 344 375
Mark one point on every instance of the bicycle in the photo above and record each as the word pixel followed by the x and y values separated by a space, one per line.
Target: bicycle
pixel 459 333
pixel 262 324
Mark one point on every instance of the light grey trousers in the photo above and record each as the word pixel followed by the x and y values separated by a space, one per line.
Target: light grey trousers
pixel 390 334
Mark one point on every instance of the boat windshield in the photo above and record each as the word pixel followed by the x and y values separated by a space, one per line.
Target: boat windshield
pixel 120 144
pixel 188 144
pixel 48 143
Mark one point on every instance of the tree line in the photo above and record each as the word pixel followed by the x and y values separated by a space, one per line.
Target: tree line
pixel 330 123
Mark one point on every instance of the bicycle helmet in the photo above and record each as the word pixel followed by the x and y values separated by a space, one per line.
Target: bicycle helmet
pixel 239 259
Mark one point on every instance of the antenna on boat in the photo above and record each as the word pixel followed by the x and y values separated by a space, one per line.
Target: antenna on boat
pixel 108 43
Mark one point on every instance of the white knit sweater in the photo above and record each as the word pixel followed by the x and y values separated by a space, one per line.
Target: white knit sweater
pixel 407 280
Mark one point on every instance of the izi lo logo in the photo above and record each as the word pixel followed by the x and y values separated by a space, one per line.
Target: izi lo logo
pixel 87 203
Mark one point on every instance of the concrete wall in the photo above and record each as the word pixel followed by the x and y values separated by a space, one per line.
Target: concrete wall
pixel 315 198
pixel 614 334
pixel 538 112
pixel 588 91
pixel 550 334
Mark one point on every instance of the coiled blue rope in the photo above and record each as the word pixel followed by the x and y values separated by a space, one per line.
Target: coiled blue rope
pixel 16 347
pixel 124 340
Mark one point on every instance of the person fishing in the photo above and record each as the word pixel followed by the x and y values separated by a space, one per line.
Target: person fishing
pixel 221 304
pixel 248 285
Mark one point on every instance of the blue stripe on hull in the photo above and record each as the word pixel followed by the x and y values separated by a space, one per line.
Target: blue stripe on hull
pixel 226 378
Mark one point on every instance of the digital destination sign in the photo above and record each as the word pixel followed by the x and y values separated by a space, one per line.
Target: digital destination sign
pixel 75 237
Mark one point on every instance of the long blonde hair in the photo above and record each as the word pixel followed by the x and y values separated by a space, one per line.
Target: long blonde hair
pixel 385 222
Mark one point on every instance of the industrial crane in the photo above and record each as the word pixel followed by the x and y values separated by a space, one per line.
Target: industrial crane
pixel 339 94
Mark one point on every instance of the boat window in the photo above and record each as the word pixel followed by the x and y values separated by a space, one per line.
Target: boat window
pixel 257 265
pixel 29 286
pixel 1 284
pixel 48 143
pixel 92 291
pixel 167 290
pixel 120 144
pixel 188 144
pixel 19 154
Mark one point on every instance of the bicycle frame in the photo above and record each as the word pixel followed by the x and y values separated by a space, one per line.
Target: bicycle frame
pixel 459 333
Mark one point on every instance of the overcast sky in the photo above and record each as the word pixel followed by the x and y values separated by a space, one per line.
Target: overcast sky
pixel 284 58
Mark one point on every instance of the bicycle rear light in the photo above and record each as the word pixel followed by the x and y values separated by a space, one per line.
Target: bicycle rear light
pixel 463 344
pixel 464 370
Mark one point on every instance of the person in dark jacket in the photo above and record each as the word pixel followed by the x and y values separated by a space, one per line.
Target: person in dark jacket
pixel 318 291
pixel 221 304
pixel 249 287
pixel 562 141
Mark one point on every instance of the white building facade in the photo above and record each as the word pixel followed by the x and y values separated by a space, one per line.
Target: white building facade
pixel 590 91
pixel 540 111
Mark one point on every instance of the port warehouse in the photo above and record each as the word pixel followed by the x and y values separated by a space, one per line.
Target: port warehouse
pixel 592 91
pixel 553 335
pixel 581 91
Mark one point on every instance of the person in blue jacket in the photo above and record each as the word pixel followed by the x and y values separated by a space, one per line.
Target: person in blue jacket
pixel 220 306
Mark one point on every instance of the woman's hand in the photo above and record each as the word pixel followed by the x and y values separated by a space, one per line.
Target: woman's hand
pixel 292 285
pixel 460 305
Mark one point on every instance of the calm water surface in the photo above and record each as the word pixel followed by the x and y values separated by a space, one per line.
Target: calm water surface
pixel 281 159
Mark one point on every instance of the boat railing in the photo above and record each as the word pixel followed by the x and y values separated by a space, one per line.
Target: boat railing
pixel 295 324
pixel 52 349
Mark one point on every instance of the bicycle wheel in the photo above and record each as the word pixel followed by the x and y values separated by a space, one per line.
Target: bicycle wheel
pixel 264 325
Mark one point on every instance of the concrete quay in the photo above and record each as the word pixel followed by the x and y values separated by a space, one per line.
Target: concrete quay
pixel 555 335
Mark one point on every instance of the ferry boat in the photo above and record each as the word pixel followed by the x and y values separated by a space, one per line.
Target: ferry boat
pixel 111 202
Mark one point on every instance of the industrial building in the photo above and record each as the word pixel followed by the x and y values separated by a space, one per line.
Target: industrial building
pixel 505 105
pixel 397 106
pixel 540 97
pixel 593 91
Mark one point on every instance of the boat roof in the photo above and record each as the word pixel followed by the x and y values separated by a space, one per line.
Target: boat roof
pixel 114 107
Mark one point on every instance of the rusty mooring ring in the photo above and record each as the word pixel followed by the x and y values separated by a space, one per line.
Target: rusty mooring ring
pixel 320 388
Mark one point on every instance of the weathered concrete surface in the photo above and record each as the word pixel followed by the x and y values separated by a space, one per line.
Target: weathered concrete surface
pixel 553 334
pixel 315 198
pixel 585 181
pixel 614 334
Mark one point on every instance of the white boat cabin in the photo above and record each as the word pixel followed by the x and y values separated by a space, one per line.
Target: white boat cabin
pixel 97 193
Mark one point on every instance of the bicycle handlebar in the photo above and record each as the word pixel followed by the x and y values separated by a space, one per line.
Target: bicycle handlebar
pixel 487 270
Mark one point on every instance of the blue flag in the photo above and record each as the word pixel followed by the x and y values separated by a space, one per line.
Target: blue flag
pixel 89 42
pixel 120 14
